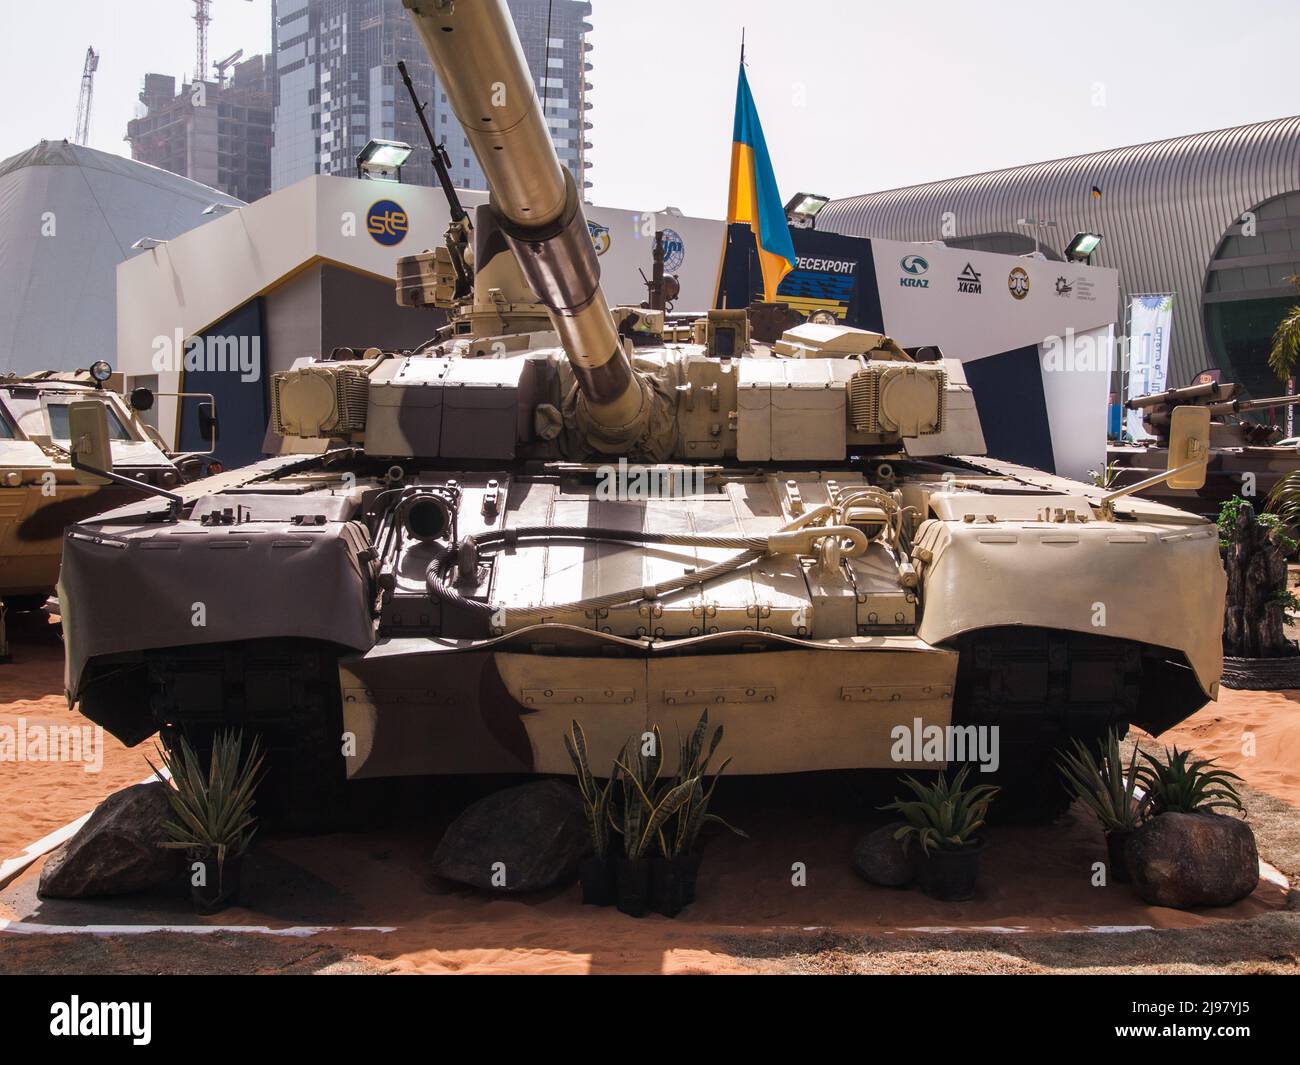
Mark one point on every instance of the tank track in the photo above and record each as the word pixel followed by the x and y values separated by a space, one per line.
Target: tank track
pixel 284 690
pixel 1042 688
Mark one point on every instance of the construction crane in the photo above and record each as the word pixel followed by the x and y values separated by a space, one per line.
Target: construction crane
pixel 202 17
pixel 222 65
pixel 87 91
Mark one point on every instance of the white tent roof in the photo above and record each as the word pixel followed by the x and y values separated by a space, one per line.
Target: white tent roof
pixel 68 216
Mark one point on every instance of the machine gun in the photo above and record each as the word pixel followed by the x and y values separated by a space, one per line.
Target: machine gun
pixel 460 230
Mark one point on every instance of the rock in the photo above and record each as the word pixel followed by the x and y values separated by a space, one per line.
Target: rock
pixel 116 852
pixel 1185 860
pixel 537 832
pixel 881 860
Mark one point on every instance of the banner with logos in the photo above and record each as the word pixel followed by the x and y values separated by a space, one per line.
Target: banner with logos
pixel 1037 336
pixel 1150 325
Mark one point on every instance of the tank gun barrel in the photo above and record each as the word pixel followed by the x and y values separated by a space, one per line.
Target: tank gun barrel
pixel 1239 405
pixel 1210 390
pixel 476 52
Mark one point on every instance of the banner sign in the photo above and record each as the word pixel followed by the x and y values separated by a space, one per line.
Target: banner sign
pixel 1150 324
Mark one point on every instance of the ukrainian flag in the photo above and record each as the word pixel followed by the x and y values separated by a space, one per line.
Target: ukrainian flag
pixel 753 197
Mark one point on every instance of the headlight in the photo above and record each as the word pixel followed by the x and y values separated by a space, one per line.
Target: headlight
pixel 101 371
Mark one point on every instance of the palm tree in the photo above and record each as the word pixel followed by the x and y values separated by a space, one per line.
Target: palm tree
pixel 1285 352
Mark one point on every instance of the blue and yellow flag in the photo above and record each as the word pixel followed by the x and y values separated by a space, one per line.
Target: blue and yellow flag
pixel 754 197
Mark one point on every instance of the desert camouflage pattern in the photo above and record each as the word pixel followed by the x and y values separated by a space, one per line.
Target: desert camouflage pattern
pixel 557 509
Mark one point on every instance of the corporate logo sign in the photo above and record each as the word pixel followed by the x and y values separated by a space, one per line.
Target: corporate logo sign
pixel 1018 282
pixel 387 223
pixel 914 266
pixel 968 281
pixel 674 251
pixel 1063 287
pixel 599 236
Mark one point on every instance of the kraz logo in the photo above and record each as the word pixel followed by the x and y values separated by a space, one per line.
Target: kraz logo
pixel 969 281
pixel 599 237
pixel 387 222
pixel 674 251
pixel 1063 287
pixel 914 265
pixel 1018 282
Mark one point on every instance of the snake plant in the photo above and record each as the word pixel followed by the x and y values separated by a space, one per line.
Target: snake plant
pixel 1179 786
pixel 693 764
pixel 945 815
pixel 595 799
pixel 646 811
pixel 1102 783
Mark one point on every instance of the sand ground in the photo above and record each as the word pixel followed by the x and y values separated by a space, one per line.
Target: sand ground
pixel 1037 909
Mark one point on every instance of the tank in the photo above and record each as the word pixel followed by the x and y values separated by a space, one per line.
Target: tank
pixel 39 490
pixel 1246 457
pixel 557 509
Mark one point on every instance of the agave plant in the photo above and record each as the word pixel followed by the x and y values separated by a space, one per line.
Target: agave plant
pixel 1104 785
pixel 595 800
pixel 693 764
pixel 213 809
pixel 945 815
pixel 1187 787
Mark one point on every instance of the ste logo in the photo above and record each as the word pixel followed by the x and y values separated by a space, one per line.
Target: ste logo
pixel 386 221
pixel 599 237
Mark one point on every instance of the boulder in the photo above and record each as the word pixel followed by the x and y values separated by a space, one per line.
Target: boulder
pixel 116 852
pixel 521 839
pixel 1186 860
pixel 881 860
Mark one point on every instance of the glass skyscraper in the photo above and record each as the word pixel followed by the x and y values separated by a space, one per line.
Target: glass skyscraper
pixel 337 86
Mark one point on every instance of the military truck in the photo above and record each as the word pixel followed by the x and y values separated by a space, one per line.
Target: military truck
pixel 39 492
pixel 559 509
pixel 1246 457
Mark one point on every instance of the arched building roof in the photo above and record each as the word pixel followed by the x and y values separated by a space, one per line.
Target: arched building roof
pixel 1166 210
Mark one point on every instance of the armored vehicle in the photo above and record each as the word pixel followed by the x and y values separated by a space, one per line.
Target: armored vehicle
pixel 559 509
pixel 39 493
pixel 1246 457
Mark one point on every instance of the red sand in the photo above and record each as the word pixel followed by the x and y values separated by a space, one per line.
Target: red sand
pixel 38 797
pixel 1255 734
pixel 1034 879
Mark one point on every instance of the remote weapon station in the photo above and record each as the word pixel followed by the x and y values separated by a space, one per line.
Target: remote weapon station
pixel 1246 458
pixel 559 509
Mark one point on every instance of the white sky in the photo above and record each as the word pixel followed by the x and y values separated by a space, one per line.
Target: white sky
pixel 856 96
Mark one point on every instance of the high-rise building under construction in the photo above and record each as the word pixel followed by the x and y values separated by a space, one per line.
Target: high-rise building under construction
pixel 337 86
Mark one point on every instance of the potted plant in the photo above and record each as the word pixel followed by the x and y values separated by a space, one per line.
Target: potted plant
pixel 214 821
pixel 674 873
pixel 596 873
pixel 646 809
pixel 1109 790
pixel 1179 786
pixel 945 819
